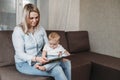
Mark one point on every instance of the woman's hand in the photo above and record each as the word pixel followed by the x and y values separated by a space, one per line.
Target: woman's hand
pixel 42 60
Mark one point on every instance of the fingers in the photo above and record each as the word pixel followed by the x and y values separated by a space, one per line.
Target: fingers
pixel 60 54
pixel 44 60
pixel 40 59
pixel 67 53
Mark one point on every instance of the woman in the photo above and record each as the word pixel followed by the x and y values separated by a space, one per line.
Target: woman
pixel 28 39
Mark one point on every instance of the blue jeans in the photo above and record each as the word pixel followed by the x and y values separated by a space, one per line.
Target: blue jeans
pixel 66 66
pixel 50 66
pixel 53 64
pixel 58 72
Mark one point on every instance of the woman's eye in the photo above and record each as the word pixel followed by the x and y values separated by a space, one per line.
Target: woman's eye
pixel 31 17
pixel 36 17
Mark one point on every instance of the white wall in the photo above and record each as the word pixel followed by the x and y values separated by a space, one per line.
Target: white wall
pixel 102 20
pixel 60 14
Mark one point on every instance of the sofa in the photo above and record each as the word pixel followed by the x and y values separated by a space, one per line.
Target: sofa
pixel 86 65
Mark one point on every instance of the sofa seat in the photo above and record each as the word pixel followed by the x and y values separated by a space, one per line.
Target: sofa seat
pixel 10 73
pixel 80 68
pixel 103 67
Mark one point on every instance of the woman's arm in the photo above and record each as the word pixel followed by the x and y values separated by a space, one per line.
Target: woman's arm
pixel 18 43
pixel 45 36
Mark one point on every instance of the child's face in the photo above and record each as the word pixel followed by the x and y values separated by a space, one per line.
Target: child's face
pixel 53 43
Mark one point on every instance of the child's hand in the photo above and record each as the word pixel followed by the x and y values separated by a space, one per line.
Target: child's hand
pixel 60 54
pixel 44 57
pixel 67 53
pixel 41 60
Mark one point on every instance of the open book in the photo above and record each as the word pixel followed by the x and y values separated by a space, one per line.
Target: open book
pixel 54 60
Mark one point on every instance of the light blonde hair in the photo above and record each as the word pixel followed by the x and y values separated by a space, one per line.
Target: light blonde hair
pixel 54 36
pixel 26 14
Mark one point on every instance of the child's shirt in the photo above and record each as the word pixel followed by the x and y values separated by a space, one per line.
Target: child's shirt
pixel 54 52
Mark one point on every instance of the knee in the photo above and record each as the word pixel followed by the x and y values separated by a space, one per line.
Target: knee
pixel 67 64
pixel 58 69
pixel 58 73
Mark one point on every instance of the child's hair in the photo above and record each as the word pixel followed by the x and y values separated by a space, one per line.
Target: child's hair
pixel 54 36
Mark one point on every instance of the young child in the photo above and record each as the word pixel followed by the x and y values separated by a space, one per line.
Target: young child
pixel 52 50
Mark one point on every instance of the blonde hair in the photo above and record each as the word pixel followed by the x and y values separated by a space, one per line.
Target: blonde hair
pixel 54 36
pixel 26 14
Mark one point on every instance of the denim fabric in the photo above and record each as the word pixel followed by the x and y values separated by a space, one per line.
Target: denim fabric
pixel 67 68
pixel 57 72
pixel 51 65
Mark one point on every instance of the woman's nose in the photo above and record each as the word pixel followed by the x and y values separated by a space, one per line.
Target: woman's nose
pixel 34 20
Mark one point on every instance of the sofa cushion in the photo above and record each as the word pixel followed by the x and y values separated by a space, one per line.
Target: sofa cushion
pixel 102 72
pixel 80 67
pixel 10 73
pixel 6 48
pixel 78 41
pixel 63 40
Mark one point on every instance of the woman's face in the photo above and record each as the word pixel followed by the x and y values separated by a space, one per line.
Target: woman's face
pixel 33 19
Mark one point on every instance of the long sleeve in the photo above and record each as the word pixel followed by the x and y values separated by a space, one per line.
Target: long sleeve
pixel 18 43
pixel 45 36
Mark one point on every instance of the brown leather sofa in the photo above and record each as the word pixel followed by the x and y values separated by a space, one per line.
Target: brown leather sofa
pixel 86 65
